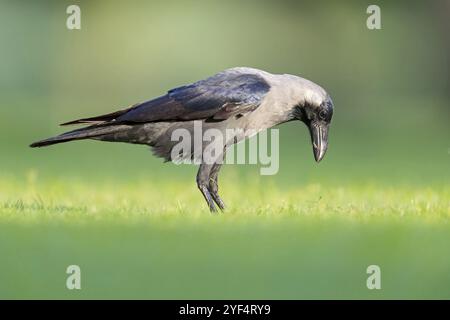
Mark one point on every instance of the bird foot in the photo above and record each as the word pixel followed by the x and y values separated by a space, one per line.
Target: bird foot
pixel 207 195
pixel 218 200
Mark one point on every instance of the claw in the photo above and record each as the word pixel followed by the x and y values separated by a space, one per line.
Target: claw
pixel 204 190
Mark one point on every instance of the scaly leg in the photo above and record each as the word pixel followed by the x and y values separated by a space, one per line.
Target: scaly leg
pixel 214 187
pixel 203 177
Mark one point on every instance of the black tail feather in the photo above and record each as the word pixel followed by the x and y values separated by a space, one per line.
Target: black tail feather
pixel 99 119
pixel 81 134
pixel 49 142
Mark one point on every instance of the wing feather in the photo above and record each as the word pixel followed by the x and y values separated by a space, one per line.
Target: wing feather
pixel 219 97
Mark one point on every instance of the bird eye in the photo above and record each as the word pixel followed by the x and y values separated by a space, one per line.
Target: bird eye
pixel 322 114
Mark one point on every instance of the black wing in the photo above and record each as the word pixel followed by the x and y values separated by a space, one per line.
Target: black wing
pixel 219 97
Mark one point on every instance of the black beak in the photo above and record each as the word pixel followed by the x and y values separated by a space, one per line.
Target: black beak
pixel 319 139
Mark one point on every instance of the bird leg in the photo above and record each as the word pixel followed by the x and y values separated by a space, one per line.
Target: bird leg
pixel 207 183
pixel 203 178
pixel 214 187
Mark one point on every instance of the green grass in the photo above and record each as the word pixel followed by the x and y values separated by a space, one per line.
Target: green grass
pixel 155 239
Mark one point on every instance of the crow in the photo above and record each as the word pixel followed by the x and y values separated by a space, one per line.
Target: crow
pixel 247 99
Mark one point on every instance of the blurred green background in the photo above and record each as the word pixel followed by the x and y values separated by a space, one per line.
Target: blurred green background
pixel 391 90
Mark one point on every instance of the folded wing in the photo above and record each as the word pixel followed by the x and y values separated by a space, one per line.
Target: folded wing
pixel 217 98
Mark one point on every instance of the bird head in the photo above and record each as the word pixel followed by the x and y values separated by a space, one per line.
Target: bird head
pixel 314 107
pixel 318 119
